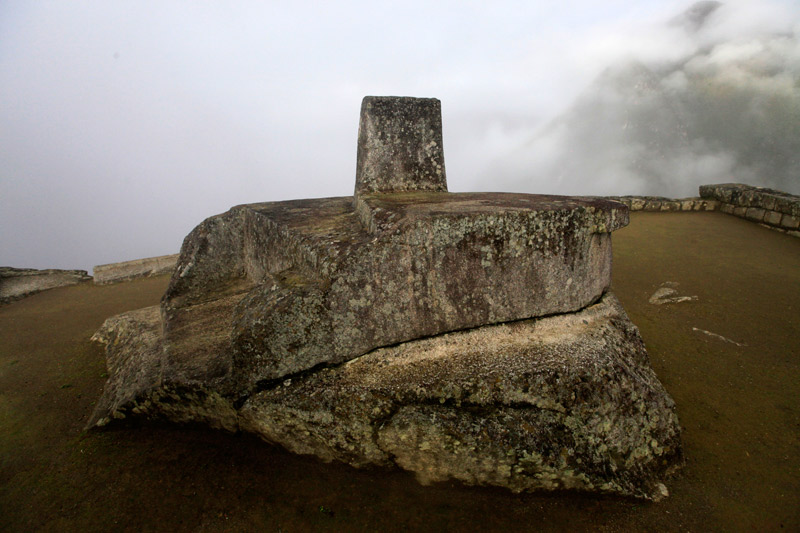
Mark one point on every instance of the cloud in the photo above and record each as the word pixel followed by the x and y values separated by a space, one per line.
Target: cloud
pixel 123 125
pixel 722 105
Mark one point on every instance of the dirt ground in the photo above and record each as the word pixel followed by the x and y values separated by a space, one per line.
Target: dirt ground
pixel 730 359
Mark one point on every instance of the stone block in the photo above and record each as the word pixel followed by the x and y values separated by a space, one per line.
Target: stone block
pixel 767 201
pixel 742 195
pixel 708 191
pixel 400 145
pixel 788 204
pixel 637 204
pixel 401 266
pixel 727 208
pixel 773 218
pixel 790 222
pixel 740 211
pixel 480 387
pixel 756 214
pixel 749 198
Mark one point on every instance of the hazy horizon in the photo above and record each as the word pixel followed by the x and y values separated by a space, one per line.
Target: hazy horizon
pixel 124 125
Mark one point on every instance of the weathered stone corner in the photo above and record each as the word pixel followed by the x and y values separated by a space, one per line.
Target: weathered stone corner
pixel 400 145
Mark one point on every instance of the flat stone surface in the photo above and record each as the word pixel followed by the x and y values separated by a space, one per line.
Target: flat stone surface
pixel 318 283
pixel 142 382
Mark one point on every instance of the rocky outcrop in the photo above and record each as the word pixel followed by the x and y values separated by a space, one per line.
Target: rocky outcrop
pixel 466 336
pixel 16 283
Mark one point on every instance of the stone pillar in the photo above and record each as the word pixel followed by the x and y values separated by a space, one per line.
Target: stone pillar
pixel 400 145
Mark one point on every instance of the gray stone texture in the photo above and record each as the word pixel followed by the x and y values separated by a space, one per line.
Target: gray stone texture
pixel 662 204
pixel 773 209
pixel 637 204
pixel 756 214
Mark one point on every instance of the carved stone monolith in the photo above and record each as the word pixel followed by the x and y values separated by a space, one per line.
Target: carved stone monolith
pixel 467 336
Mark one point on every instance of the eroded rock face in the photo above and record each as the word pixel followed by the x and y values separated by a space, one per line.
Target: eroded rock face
pixel 466 336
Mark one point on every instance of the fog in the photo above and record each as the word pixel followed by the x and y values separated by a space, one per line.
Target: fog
pixel 710 96
pixel 125 124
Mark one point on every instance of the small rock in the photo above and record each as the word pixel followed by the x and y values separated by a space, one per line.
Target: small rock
pixel 668 294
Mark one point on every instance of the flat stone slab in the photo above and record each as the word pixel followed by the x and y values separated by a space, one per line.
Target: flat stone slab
pixel 320 282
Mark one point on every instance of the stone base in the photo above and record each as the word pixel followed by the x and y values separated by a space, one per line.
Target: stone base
pixel 563 402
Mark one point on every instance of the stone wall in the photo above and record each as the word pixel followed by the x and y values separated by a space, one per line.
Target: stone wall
pixel 139 268
pixel 16 283
pixel 773 209
pixel 660 203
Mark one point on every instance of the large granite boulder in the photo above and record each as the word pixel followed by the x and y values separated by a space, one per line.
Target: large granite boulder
pixel 467 336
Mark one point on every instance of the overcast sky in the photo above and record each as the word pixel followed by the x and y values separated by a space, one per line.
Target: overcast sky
pixel 123 124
